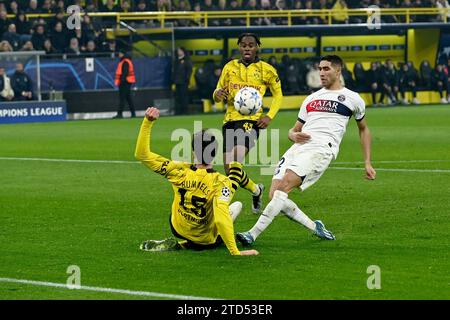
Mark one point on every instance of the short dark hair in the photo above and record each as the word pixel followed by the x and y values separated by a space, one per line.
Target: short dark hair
pixel 204 146
pixel 248 34
pixel 334 59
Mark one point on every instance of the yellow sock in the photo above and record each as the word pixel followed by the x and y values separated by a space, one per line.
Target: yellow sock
pixel 237 174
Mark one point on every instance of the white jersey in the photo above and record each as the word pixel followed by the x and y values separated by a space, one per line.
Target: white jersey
pixel 325 115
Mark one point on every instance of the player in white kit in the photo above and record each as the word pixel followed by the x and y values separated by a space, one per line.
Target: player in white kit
pixel 319 129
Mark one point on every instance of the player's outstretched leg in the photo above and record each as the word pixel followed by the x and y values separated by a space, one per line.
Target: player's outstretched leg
pixel 272 209
pixel 240 176
pixel 293 212
pixel 321 232
pixel 235 209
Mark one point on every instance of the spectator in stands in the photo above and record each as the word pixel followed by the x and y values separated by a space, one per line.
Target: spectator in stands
pixel 164 5
pixel 33 7
pixel 109 7
pixel 23 26
pixel 313 78
pixel 125 6
pixel 312 19
pixel 38 37
pixel 74 47
pixel 60 6
pixel 21 84
pixel 4 22
pixel 439 82
pixel 273 62
pixel 389 78
pixel 142 7
pixel 6 92
pixel 407 82
pixel 89 29
pixel 222 6
pixel 12 37
pixel 181 75
pixel 27 46
pixel 298 5
pixel 59 17
pixel 91 49
pixel 202 83
pixel 48 47
pixel 13 8
pixel 5 46
pixel 360 77
pixel 265 20
pixel 59 38
pixel 208 5
pixel 234 6
pixel 281 6
pixel 292 77
pixel 374 81
pixel 46 7
pixel 426 74
pixel 252 5
pixel 347 78
pixel 339 11
pixel 124 79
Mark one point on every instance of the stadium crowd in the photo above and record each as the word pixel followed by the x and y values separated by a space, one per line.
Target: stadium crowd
pixel 387 82
pixel 21 33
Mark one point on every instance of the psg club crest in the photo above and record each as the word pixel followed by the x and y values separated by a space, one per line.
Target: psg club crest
pixel 341 98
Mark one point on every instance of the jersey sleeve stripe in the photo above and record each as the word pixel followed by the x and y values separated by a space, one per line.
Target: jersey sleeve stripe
pixel 301 120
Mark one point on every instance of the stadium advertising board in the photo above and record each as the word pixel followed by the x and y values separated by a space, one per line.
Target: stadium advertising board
pixel 32 111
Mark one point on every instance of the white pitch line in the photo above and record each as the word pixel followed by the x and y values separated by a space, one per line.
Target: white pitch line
pixel 255 165
pixel 109 290
pixel 395 170
pixel 68 160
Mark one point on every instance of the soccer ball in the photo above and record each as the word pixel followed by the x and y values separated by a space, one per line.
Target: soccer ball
pixel 248 101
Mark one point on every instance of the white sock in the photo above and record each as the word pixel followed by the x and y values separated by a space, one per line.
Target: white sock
pixel 293 212
pixel 235 209
pixel 272 209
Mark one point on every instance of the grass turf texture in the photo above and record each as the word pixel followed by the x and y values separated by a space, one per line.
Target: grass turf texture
pixel 95 215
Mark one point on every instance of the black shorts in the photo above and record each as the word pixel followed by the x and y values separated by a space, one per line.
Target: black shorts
pixel 239 133
pixel 192 245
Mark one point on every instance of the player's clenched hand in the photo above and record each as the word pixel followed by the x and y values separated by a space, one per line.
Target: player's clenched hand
pixel 152 114
pixel 299 137
pixel 263 122
pixel 370 172
pixel 252 252
pixel 221 94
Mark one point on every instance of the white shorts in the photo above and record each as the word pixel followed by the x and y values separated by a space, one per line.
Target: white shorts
pixel 309 161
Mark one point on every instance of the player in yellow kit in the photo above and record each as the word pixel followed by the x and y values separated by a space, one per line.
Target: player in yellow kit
pixel 241 132
pixel 201 214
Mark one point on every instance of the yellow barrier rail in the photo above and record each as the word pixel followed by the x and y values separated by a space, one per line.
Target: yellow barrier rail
pixel 204 17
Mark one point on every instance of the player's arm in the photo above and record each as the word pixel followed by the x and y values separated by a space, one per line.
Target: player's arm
pixel 223 220
pixel 221 92
pixel 295 133
pixel 366 142
pixel 143 153
pixel 277 94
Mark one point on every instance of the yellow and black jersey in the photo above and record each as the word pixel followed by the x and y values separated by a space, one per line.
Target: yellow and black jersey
pixel 200 209
pixel 259 75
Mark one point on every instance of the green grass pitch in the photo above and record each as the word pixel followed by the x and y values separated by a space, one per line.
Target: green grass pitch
pixel 94 215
